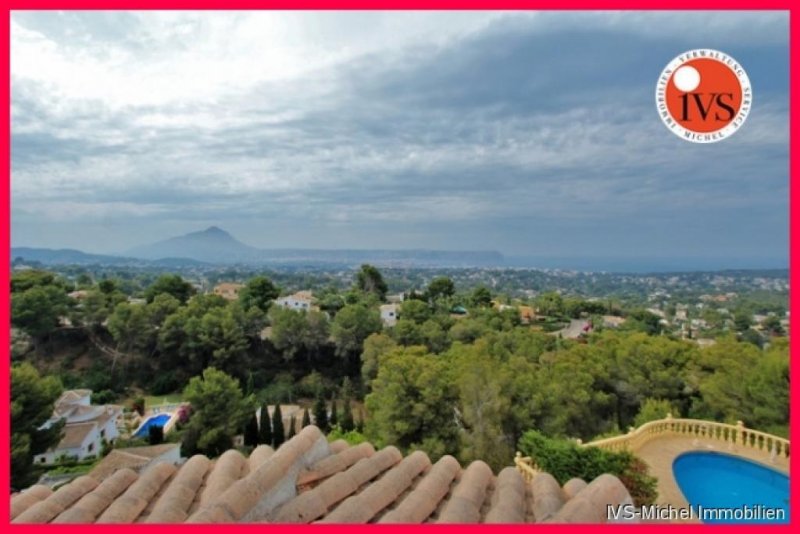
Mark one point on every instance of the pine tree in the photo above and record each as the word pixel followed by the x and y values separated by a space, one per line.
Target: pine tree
pixel 347 417
pixel 306 418
pixel 250 386
pixel 334 419
pixel 292 428
pixel 321 414
pixel 265 431
pixel 251 432
pixel 278 435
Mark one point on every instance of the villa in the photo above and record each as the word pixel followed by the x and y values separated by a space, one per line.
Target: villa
pixel 300 301
pixel 85 429
pixel 389 314
pixel 228 290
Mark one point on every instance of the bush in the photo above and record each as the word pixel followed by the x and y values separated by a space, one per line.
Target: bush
pixel 106 396
pixel 564 460
pixel 352 437
pixel 155 435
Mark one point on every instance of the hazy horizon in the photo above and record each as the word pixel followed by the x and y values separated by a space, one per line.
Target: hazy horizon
pixel 533 134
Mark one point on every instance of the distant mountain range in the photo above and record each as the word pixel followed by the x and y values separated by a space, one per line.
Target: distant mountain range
pixel 216 246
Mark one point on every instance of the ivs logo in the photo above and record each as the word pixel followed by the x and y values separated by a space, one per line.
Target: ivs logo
pixel 704 96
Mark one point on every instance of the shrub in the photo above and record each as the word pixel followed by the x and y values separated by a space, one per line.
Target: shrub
pixel 155 435
pixel 564 460
pixel 352 437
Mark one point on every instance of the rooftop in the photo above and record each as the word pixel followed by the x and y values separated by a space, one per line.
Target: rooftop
pixel 309 480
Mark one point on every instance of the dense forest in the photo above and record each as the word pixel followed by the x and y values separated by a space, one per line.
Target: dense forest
pixel 456 374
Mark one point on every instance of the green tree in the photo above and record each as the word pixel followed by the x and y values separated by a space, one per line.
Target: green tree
pixel 415 310
pixel 289 332
pixel 333 420
pixel 251 431
pixel 653 410
pixel 32 399
pixel 347 423
pixel 407 333
pixel 278 434
pixel 351 327
pixel 265 429
pixel 259 292
pixel 481 297
pixel 321 414
pixel 37 310
pixel 306 418
pixel 413 402
pixel 370 280
pixel 171 284
pixel 219 410
pixel 292 428
pixel 375 345
pixel 441 287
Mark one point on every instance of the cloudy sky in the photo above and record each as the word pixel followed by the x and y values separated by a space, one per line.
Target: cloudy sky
pixel 534 134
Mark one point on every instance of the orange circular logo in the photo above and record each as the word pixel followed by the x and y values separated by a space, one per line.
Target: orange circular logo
pixel 704 96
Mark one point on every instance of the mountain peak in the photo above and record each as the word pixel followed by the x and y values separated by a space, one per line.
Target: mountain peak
pixel 214 230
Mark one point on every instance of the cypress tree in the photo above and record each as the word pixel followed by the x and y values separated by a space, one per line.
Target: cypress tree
pixel 347 417
pixel 278 436
pixel 321 415
pixel 292 428
pixel 334 419
pixel 251 431
pixel 360 423
pixel 265 431
pixel 306 418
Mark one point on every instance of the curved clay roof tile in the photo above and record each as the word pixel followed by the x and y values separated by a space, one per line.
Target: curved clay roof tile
pixel 572 487
pixel 227 470
pixel 22 501
pixel 93 503
pixel 509 498
pixel 259 455
pixel 128 507
pixel 423 501
pixel 174 503
pixel 468 496
pixel 590 504
pixel 376 497
pixel 46 510
pixel 547 496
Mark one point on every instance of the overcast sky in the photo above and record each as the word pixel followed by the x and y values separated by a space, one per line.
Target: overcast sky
pixel 534 134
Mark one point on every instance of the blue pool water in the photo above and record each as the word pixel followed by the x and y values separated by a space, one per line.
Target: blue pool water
pixel 715 480
pixel 156 420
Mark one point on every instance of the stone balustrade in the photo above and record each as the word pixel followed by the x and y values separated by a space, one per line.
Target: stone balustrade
pixel 736 436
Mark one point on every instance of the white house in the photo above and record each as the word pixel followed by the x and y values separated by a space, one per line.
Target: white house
pixel 300 301
pixel 85 428
pixel 389 314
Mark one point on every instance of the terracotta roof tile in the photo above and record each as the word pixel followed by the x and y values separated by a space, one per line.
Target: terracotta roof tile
pixel 307 480
pixel 91 505
pixel 227 470
pixel 133 502
pixel 44 511
pixel 173 505
pixel 379 495
pixel 508 504
pixel 590 504
pixel 468 496
pixel 425 498
pixel 572 487
pixel 259 455
pixel 547 496
pixel 22 501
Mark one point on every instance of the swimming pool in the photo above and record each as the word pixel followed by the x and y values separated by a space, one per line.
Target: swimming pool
pixel 716 480
pixel 156 420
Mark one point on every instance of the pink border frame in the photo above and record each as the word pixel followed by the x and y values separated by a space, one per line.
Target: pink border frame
pixel 5 199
